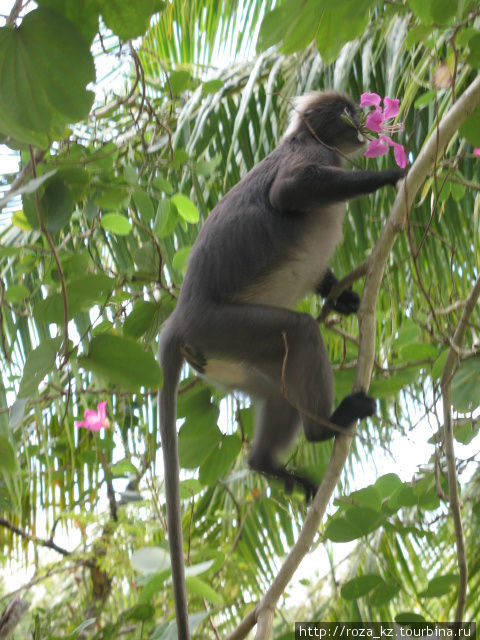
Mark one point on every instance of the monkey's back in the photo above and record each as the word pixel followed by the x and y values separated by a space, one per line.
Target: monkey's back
pixel 247 250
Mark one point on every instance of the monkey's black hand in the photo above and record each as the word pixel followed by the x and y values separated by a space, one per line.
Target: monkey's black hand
pixel 395 175
pixel 347 302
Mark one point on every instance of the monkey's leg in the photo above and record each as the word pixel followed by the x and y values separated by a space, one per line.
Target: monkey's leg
pixel 277 425
pixel 347 302
pixel 284 345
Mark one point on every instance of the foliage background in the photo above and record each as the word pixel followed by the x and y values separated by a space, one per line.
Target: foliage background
pixel 115 177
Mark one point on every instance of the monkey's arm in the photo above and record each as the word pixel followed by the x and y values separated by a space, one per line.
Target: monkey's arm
pixel 303 186
pixel 346 303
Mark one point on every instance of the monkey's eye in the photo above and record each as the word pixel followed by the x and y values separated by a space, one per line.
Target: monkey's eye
pixel 347 117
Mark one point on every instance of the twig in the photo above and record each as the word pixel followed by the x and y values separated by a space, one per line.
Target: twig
pixel 15 12
pixel 51 244
pixel 454 498
pixel 29 536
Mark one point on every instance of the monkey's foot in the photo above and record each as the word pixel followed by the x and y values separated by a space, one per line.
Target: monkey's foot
pixel 354 407
pixel 292 479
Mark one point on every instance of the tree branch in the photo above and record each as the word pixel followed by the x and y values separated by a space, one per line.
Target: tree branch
pixel 28 536
pixel 376 264
pixel 454 498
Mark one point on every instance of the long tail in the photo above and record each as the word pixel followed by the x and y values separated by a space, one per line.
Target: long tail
pixel 171 362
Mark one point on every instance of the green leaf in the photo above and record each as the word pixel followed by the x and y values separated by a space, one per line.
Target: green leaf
pixel 198 437
pixel 116 223
pixel 199 568
pixel 203 590
pixel 82 294
pixel 180 81
pixel 422 9
pixel 212 86
pixel 39 363
pixel 16 293
pixel 17 413
pixel 339 530
pixel 150 560
pixel 166 218
pixel 302 27
pixel 340 23
pixel 46 65
pixel 185 207
pixel 466 386
pixel 142 611
pixel 409 617
pixel 437 366
pixel 443 11
pixel 8 457
pixel 474 46
pixel 383 593
pixel 440 586
pixel 141 319
pixel 123 468
pixel 417 351
pixel 180 259
pixel 425 98
pixel 122 361
pixel 387 485
pixel 128 19
pixel 360 586
pixel 56 205
pixel 220 461
pixel 153 585
pixel 84 14
pixel 470 129
pixel 465 433
pixel 386 387
pixel 367 497
pixel 144 205
pixel 419 33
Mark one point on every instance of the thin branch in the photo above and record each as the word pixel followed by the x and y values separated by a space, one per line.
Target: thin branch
pixel 14 13
pixel 376 264
pixel 51 244
pixel 29 536
pixel 454 498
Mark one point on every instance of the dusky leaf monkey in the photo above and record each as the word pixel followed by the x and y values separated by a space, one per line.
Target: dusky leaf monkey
pixel 264 246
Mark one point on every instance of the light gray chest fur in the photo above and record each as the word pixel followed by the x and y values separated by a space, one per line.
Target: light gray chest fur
pixel 302 270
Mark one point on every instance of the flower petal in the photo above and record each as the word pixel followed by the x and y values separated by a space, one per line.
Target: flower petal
pixel 476 152
pixel 392 108
pixel 400 155
pixel 374 121
pixel 102 410
pixel 370 100
pixel 376 148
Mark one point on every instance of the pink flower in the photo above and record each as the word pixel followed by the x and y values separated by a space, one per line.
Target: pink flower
pixel 94 420
pixel 392 108
pixel 476 152
pixel 370 100
pixel 375 121
pixel 376 148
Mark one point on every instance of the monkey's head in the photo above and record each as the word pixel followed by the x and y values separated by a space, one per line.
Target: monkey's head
pixel 331 117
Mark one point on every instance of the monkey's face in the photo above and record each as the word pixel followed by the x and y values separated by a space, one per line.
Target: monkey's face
pixel 334 119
